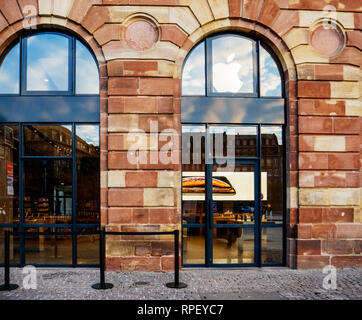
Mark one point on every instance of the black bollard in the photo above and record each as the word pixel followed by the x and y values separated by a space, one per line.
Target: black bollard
pixel 176 284
pixel 7 286
pixel 102 263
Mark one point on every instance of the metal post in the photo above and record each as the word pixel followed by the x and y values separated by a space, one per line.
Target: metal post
pixel 102 263
pixel 176 284
pixel 7 286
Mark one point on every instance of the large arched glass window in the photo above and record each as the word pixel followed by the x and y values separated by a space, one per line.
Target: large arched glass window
pixel 49 149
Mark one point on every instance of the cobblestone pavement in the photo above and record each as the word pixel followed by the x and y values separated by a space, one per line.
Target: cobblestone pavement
pixel 203 284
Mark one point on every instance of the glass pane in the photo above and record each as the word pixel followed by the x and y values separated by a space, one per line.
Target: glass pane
pixel 272 167
pixel 88 247
pixel 14 246
pixel 270 81
pixel 9 174
pixel 47 62
pixel 88 176
pixel 48 140
pixel 10 71
pixel 233 141
pixel 233 245
pixel 48 249
pixel 193 174
pixel 193 75
pixel 193 246
pixel 272 245
pixel 48 191
pixel 232 65
pixel 87 77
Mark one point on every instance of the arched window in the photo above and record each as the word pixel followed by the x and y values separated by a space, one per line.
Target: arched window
pixel 49 149
pixel 233 199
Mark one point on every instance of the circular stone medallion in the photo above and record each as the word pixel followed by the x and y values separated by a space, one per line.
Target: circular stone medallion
pixel 141 35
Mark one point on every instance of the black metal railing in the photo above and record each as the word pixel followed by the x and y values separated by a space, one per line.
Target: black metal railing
pixel 102 285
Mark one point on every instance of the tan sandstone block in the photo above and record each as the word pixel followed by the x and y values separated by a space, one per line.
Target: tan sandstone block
pixel 344 89
pixel 122 122
pixel 306 54
pixel 307 18
pixel 313 197
pixel 296 37
pixel 293 195
pixel 45 7
pixel 183 17
pixel 354 108
pixel 158 197
pixel 344 196
pixel 220 8
pixel 165 179
pixel 201 10
pixel 351 73
pixel 62 7
pixel 330 143
pixel 116 179
pixel 104 179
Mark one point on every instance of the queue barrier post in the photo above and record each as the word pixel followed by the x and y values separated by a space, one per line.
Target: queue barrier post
pixel 102 263
pixel 7 286
pixel 176 284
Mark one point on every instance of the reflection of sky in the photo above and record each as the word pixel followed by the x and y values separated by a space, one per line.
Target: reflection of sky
pixel 234 130
pixel 273 130
pixel 186 129
pixel 9 72
pixel 89 133
pixel 232 60
pixel 69 127
pixel 193 77
pixel 87 78
pixel 269 75
pixel 47 59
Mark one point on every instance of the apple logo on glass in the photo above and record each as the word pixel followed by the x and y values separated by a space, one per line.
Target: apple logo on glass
pixel 225 75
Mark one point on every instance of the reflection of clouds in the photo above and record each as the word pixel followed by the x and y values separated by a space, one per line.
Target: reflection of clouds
pixel 87 78
pixel 47 59
pixel 193 76
pixel 273 130
pixel 89 133
pixel 269 75
pixel 9 72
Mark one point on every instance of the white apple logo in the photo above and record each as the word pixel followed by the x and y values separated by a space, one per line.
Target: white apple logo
pixel 225 75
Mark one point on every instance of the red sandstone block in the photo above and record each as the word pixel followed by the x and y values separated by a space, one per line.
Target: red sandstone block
pixel 347 261
pixel 168 263
pixel 354 38
pixel 313 161
pixel 123 86
pixel 140 263
pixel 3 22
pixel 349 231
pixel 165 104
pixel 95 18
pixel 293 213
pixel 115 68
pixel 285 21
pixel 141 215
pixel 346 125
pixel 329 72
pixel 119 215
pixel 251 9
pixel 315 125
pixel 349 55
pixel 173 34
pixel 306 107
pixel 115 142
pixel 304 231
pixel 343 161
pixel 357 246
pixel 338 247
pixel 331 180
pixel 312 262
pixel 235 8
pixel 140 105
pixel 118 160
pixel 358 20
pixel 306 143
pixel 79 10
pixel 140 67
pixel 161 122
pixel 308 247
pixel 314 89
pixel 163 216
pixel 324 231
pixel 310 215
pixel 116 105
pixel 113 263
pixel 107 33
pixel 352 143
pixel 141 179
pixel 162 248
pixel 125 197
pixel 268 13
pixel 11 11
pixel 143 249
pixel 157 86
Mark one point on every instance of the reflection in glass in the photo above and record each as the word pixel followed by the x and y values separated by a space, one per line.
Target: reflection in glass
pixel 88 247
pixel 233 141
pixel 9 174
pixel 270 81
pixel 88 173
pixel 42 140
pixel 272 245
pixel 193 76
pixel 14 246
pixel 47 62
pixel 193 174
pixel 48 249
pixel 9 71
pixel 47 191
pixel 87 77
pixel 233 245
pixel 193 246
pixel 232 65
pixel 272 164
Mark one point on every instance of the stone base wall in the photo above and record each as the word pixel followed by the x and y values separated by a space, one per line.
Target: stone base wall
pixel 140 46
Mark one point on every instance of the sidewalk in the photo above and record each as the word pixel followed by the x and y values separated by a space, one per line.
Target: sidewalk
pixel 203 284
